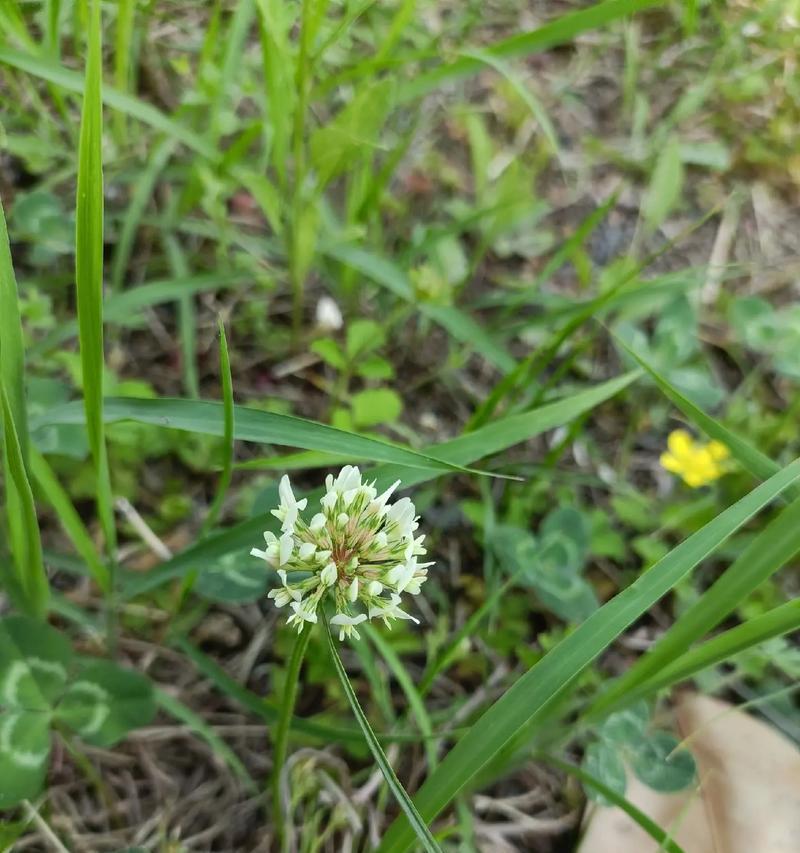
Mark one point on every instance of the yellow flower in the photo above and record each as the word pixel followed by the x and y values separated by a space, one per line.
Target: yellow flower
pixel 698 464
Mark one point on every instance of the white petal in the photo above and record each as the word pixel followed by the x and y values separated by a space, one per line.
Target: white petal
pixel 328 315
pixel 317 523
pixel 328 575
pixel 375 588
pixel 287 543
pixel 344 619
pixel 352 592
pixel 379 504
pixel 285 491
pixel 306 551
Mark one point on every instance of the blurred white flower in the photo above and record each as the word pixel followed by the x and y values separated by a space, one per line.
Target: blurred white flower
pixel 359 551
pixel 329 317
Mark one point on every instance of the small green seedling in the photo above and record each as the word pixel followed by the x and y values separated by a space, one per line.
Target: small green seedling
pixel 359 357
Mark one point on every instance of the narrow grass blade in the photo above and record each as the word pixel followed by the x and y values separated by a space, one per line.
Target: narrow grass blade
pixel 414 697
pixel 201 729
pixel 772 548
pixel 464 450
pixel 142 192
pixel 89 271
pixel 559 31
pixel 524 93
pixel 123 58
pixel 26 545
pixel 634 813
pixel 12 347
pixel 208 418
pixel 416 823
pixel 187 317
pixel 228 432
pixel 28 579
pixel 554 673
pixel 774 623
pixel 53 493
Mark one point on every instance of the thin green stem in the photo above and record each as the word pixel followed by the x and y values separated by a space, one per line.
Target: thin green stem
pixel 280 742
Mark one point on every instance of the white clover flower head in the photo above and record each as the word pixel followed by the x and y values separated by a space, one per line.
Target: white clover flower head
pixel 359 550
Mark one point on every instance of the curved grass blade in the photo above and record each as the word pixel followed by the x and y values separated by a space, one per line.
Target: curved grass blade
pixel 633 812
pixel 549 678
pixel 414 697
pixel 415 820
pixel 772 548
pixel 12 347
pixel 554 33
pixel 208 418
pixel 523 92
pixel 228 432
pixel 89 271
pixel 142 191
pixel 464 450
pixel 187 316
pixel 26 545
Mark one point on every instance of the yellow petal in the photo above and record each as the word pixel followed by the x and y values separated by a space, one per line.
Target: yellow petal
pixel 670 463
pixel 680 443
pixel 718 450
pixel 694 479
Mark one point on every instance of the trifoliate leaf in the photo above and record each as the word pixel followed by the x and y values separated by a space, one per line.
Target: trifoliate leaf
pixel 233 579
pixel 662 764
pixel 627 726
pixel 34 660
pixel 602 761
pixel 24 754
pixel 105 702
